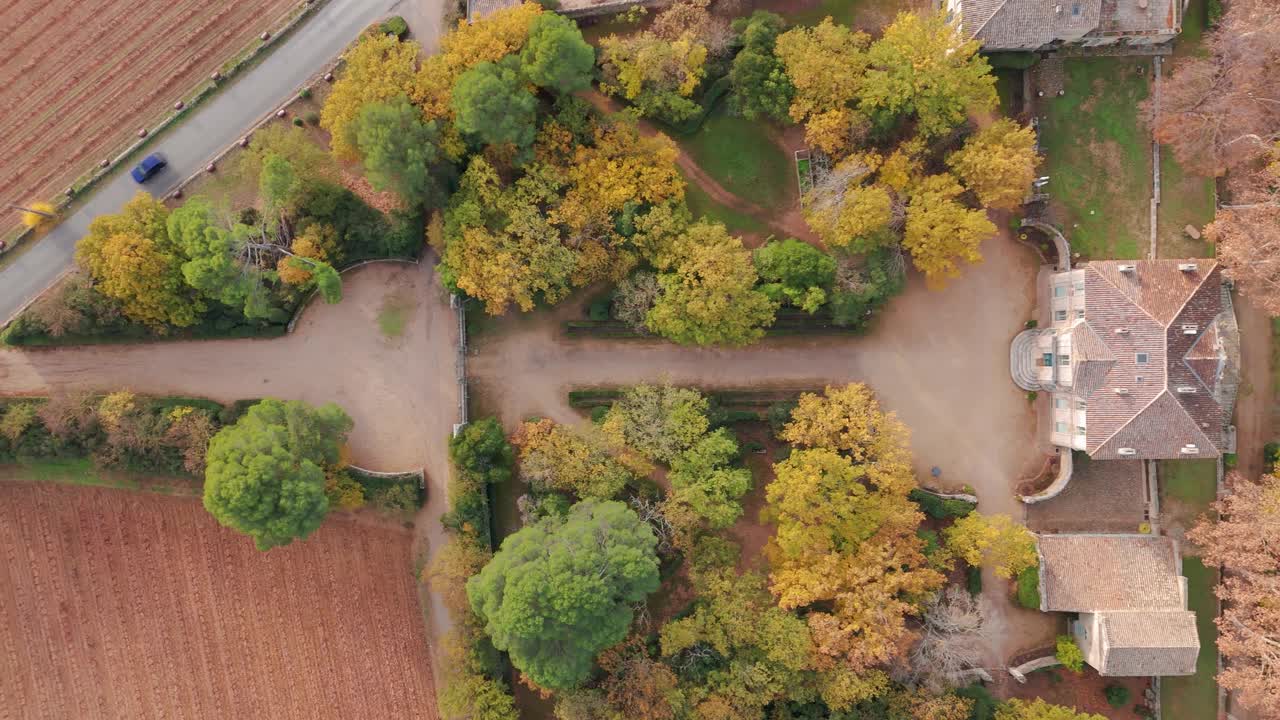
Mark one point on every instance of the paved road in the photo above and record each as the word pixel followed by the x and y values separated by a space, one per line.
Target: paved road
pixel 213 126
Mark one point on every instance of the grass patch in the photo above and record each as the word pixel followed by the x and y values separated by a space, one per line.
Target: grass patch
pixel 1194 482
pixel 1184 200
pixel 1195 21
pixel 1009 89
pixel 862 14
pixel 391 320
pixel 1196 697
pixel 1098 157
pixel 702 205
pixel 743 158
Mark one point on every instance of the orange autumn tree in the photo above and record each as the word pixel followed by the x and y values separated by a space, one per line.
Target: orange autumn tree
pixel 845 544
pixel 379 68
pixel 1246 539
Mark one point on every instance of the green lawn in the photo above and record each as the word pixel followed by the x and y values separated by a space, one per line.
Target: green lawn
pixel 1196 697
pixel 81 471
pixel 862 14
pixel 701 204
pixel 1194 23
pixel 1194 482
pixel 1008 87
pixel 1184 200
pixel 1098 157
pixel 742 157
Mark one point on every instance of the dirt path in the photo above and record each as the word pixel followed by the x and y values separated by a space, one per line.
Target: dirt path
pixel 400 390
pixel 1255 412
pixel 785 221
pixel 939 359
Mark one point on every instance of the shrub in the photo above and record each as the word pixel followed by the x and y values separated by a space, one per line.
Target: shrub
pixel 313 119
pixel 297 122
pixel 984 703
pixel 1214 12
pixel 940 508
pixel 1029 588
pixel 930 538
pixel 395 25
pixel 305 93
pixel 779 414
pixel 598 311
pixel 1270 455
pixel 1069 654
pixel 598 413
pixel 401 497
pixel 973 580
pixel 1117 695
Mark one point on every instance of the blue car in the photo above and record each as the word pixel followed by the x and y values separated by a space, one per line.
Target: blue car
pixel 149 166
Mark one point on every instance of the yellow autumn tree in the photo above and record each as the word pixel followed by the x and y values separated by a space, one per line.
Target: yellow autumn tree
pixel 940 231
pixel 658 76
pixel 849 548
pixel 487 39
pixel 995 540
pixel 555 457
pixel 130 257
pixel 38 214
pixel 380 67
pixel 849 420
pixel 826 64
pixel 622 167
pixel 998 163
pixel 847 209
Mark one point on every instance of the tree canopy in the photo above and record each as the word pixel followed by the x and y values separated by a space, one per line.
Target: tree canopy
pixel 923 68
pixel 655 74
pixel 796 273
pixel 400 151
pixel 994 540
pixel 379 68
pixel 561 590
pixel 491 103
pixel 265 474
pixel 554 457
pixel 709 296
pixel 658 421
pixel 555 56
pixel 998 163
pixel 761 87
pixel 940 231
pixel 826 64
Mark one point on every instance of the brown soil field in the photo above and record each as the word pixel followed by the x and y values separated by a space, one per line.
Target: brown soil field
pixel 117 604
pixel 78 79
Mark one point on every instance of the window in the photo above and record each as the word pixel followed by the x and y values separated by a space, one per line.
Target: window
pixel 1060 427
pixel 1079 313
pixel 1064 360
pixel 1137 379
pixel 1059 403
pixel 1080 430
pixel 1059 314
pixel 1142 358
pixel 1059 290
pixel 1079 286
pixel 1081 405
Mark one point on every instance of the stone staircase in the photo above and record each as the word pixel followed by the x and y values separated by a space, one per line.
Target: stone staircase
pixel 1023 352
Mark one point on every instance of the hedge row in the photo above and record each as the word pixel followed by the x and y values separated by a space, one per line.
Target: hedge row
pixel 940 508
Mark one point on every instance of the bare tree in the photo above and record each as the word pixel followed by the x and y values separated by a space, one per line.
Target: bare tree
pixel 954 641
pixel 1223 111
pixel 1248 244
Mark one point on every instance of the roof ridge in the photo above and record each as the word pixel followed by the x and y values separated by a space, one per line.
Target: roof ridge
pixel 1176 402
pixel 1126 295
pixel 1190 296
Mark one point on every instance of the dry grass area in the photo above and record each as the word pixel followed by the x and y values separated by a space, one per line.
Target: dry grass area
pixel 78 79
pixel 130 605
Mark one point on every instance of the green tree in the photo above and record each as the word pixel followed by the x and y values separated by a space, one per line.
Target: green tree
pixel 561 590
pixel 481 449
pixel 659 421
pixel 923 68
pixel 709 297
pixel 555 56
pixel 278 185
pixel 796 272
pixel 1069 654
pixel 265 475
pixel 702 479
pixel 490 101
pixel 400 151
pixel 760 81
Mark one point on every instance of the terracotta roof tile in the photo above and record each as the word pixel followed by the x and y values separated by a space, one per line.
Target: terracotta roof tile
pixel 1149 643
pixel 1097 573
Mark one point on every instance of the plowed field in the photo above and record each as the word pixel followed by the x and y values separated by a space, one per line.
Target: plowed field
pixel 128 605
pixel 78 79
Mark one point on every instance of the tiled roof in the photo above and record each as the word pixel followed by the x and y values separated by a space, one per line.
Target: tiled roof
pixel 1028 24
pixel 1170 320
pixel 1149 643
pixel 1098 573
pixel 1032 24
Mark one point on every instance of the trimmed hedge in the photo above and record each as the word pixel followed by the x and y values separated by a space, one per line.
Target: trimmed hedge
pixel 940 508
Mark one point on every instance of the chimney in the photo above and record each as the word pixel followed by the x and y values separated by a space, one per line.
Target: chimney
pixel 1187 267
pixel 1127 268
